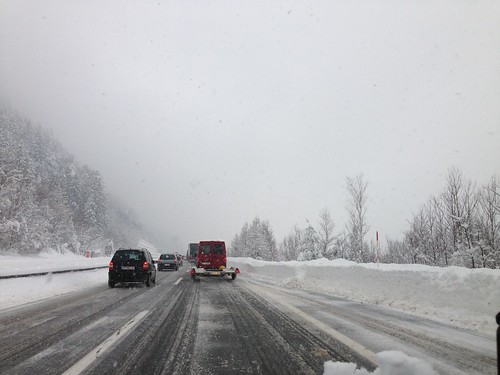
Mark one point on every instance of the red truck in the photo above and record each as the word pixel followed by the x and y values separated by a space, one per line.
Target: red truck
pixel 212 261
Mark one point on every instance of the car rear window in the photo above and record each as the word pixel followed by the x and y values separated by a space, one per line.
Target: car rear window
pixel 129 255
pixel 205 249
pixel 167 256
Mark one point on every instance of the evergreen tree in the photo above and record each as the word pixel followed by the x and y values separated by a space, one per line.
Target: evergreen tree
pixel 309 246
pixel 255 241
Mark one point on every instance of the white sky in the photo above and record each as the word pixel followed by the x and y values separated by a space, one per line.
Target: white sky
pixel 201 115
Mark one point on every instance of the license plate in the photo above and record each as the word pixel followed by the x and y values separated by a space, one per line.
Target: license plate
pixel 128 268
pixel 215 273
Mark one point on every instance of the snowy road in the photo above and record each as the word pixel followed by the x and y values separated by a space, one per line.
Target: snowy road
pixel 208 326
pixel 449 349
pixel 275 318
pixel 213 326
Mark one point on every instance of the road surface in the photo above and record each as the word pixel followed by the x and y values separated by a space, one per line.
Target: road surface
pixel 217 326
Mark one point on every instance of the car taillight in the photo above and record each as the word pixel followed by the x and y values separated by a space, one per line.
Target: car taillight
pixel 225 260
pixel 145 266
pixel 111 266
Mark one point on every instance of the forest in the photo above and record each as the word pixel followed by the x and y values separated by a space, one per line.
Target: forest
pixel 48 201
pixel 460 226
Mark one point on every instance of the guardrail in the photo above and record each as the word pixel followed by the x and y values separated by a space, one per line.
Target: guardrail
pixel 51 272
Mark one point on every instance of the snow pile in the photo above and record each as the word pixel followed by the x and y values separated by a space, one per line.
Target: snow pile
pixel 14 292
pixel 18 291
pixel 468 298
pixel 47 262
pixel 390 363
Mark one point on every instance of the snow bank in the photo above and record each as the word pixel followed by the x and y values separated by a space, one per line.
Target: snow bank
pixel 47 262
pixel 468 298
pixel 390 363
pixel 18 291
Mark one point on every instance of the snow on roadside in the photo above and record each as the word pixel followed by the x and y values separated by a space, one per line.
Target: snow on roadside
pixel 390 362
pixel 18 291
pixel 467 298
pixel 47 262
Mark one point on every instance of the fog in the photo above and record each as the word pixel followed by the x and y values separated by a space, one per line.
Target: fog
pixel 201 115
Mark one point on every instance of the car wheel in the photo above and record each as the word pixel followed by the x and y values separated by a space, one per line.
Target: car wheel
pixel 147 282
pixel 177 268
pixel 233 276
pixel 111 284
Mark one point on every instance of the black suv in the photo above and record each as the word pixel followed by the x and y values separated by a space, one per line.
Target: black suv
pixel 131 266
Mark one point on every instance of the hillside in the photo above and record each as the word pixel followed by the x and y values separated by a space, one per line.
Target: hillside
pixel 49 201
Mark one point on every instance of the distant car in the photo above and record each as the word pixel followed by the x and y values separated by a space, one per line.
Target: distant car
pixel 180 260
pixel 167 262
pixel 131 266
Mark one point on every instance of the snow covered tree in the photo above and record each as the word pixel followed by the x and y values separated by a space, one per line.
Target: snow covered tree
pixel 489 223
pixel 326 237
pixel 460 201
pixel 255 241
pixel 357 226
pixel 47 200
pixel 309 249
pixel 289 248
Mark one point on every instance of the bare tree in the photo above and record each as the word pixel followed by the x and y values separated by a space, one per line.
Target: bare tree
pixel 452 200
pixel 290 247
pixel 489 223
pixel 461 200
pixel 357 226
pixel 325 233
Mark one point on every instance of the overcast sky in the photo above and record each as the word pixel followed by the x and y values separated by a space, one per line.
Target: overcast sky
pixel 201 115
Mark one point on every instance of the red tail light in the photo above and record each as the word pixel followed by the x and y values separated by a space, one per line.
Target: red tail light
pixel 111 266
pixel 145 266
pixel 193 272
pixel 237 270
